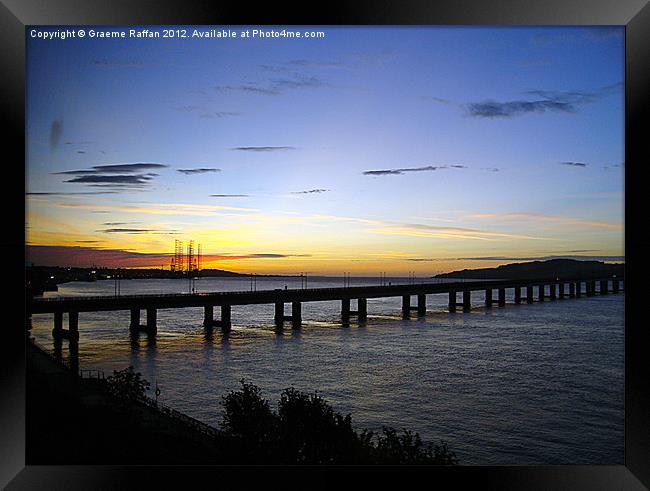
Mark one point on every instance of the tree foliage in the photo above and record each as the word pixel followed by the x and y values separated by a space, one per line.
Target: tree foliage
pixel 127 384
pixel 307 430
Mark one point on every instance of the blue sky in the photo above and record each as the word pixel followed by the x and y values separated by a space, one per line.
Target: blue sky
pixel 372 149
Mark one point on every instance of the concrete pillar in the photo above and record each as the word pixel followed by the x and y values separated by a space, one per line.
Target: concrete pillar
pixel 452 301
pixel 58 322
pixel 488 298
pixel 406 305
pixel 591 288
pixel 560 287
pixel 572 290
pixel 151 320
pixel 279 314
pixel 73 326
pixel 362 309
pixel 541 292
pixel 296 315
pixel 208 316
pixel 604 287
pixel 615 287
pixel 226 323
pixel 467 300
pixel 135 319
pixel 517 295
pixel 552 291
pixel 529 294
pixel 502 297
pixel 578 289
pixel 422 304
pixel 345 310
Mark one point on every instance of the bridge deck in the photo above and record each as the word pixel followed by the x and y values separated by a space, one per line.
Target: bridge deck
pixel 180 300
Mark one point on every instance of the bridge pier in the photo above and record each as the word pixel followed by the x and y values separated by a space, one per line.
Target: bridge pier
pixel 541 292
pixel 362 309
pixel 488 298
pixel 72 333
pixel 578 289
pixel 152 315
pixel 591 288
pixel 345 310
pixel 406 306
pixel 58 324
pixel 552 294
pixel 604 287
pixel 529 294
pixel 452 300
pixel 502 297
pixel 422 305
pixel 135 319
pixel 467 300
pixel 615 286
pixel 517 295
pixel 225 323
pixel 279 315
pixel 560 288
pixel 296 315
pixel 572 290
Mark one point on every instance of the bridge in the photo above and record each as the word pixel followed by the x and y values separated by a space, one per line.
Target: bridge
pixel 546 289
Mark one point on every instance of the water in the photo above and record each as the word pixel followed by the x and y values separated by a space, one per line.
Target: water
pixel 525 384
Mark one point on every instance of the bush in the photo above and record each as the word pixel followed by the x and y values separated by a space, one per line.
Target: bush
pixel 127 384
pixel 249 418
pixel 306 430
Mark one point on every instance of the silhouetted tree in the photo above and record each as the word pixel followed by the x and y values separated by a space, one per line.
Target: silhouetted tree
pixel 306 430
pixel 127 384
pixel 249 419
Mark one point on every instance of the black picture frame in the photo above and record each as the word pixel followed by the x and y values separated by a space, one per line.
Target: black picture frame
pixel 634 14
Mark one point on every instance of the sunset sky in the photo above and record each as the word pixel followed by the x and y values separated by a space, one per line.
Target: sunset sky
pixel 373 149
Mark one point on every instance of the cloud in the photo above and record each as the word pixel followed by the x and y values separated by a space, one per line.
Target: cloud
pixel 115 176
pixel 201 170
pixel 311 191
pixel 56 130
pixel 112 168
pixel 69 194
pixel 435 99
pixel 205 112
pixel 86 256
pixel 229 195
pixel 553 219
pixel 276 86
pixel 387 172
pixel 136 231
pixel 574 164
pixel 543 101
pixel 132 180
pixel 263 149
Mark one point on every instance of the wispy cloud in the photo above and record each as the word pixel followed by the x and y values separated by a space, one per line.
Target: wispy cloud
pixel 69 194
pixel 136 231
pixel 84 256
pixel 574 164
pixel 126 176
pixel 202 170
pixel 229 195
pixel 552 219
pixel 263 149
pixel 540 101
pixel 311 191
pixel 276 86
pixel 388 172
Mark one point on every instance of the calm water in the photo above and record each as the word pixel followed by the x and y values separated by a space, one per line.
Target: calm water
pixel 528 384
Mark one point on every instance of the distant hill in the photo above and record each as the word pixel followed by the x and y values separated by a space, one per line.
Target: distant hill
pixel 553 268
